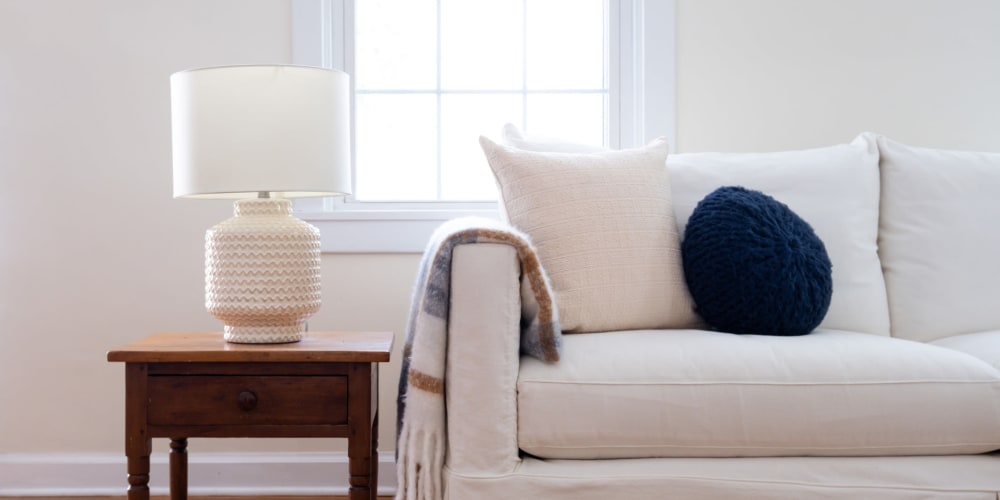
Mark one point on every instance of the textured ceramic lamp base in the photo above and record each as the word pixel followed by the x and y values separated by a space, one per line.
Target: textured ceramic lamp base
pixel 262 273
pixel 263 334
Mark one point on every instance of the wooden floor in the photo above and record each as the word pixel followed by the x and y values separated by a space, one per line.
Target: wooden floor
pixel 200 498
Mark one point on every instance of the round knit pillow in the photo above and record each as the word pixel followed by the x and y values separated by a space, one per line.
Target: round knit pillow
pixel 754 266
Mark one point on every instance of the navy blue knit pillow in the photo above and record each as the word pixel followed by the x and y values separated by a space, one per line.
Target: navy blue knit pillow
pixel 754 266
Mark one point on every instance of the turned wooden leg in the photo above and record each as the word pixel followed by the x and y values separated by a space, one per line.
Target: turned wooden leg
pixel 374 479
pixel 359 441
pixel 138 477
pixel 178 469
pixel 138 445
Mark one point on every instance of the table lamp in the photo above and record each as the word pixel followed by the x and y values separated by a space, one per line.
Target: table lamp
pixel 260 135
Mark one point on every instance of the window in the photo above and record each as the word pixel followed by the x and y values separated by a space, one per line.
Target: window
pixel 430 76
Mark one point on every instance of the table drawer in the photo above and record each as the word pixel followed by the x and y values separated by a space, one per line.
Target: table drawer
pixel 248 400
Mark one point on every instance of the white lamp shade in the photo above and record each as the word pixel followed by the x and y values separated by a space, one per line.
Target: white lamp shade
pixel 241 130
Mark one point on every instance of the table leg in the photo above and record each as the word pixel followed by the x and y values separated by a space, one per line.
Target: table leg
pixel 138 476
pixel 178 469
pixel 374 464
pixel 359 441
pixel 138 444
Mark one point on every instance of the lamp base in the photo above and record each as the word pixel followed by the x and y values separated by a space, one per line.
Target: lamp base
pixel 263 334
pixel 262 272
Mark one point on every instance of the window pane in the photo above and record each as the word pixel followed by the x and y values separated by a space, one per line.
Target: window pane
pixel 566 44
pixel 431 76
pixel 396 147
pixel 396 43
pixel 481 44
pixel 574 117
pixel 465 175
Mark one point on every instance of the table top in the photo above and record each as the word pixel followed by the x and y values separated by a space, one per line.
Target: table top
pixel 317 347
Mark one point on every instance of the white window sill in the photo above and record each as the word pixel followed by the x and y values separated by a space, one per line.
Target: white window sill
pixel 382 231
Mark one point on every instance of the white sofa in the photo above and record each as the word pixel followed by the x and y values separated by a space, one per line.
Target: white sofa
pixel 896 395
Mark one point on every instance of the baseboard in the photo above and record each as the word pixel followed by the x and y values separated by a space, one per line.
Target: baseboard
pixel 223 474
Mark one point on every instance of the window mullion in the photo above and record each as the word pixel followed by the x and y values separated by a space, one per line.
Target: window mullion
pixel 437 124
pixel 348 57
pixel 611 110
pixel 618 70
pixel 524 65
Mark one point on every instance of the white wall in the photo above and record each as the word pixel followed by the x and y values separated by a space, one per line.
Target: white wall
pixel 778 74
pixel 94 252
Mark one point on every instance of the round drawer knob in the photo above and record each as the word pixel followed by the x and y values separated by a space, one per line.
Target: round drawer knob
pixel 247 400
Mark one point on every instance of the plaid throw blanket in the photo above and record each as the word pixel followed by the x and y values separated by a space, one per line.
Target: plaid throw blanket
pixel 422 426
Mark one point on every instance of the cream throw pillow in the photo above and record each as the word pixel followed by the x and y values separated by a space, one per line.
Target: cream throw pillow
pixel 604 228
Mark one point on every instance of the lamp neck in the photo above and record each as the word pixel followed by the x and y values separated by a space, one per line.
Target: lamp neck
pixel 262 207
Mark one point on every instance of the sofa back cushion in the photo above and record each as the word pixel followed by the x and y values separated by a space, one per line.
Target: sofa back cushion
pixel 939 239
pixel 834 189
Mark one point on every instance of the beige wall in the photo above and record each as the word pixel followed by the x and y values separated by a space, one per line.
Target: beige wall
pixel 94 252
pixel 776 74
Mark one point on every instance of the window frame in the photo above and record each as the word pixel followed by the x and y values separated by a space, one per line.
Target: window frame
pixel 642 82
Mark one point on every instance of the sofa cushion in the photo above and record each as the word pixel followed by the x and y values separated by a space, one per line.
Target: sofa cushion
pixel 983 345
pixel 754 266
pixel 835 189
pixel 707 394
pixel 939 240
pixel 605 233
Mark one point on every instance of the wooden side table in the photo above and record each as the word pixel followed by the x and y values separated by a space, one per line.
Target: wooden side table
pixel 182 385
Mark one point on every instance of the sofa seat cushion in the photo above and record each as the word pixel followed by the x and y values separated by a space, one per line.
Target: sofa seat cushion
pixel 983 345
pixel 671 393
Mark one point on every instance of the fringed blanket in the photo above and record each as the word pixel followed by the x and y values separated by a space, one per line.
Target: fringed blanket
pixel 422 426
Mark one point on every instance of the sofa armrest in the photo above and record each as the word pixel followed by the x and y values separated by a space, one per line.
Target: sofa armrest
pixel 483 358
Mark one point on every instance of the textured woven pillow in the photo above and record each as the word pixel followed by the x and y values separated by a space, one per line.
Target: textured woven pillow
pixel 754 266
pixel 604 228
